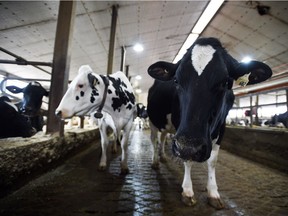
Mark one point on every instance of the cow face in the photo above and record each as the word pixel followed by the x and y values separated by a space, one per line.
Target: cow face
pixel 83 95
pixel 203 80
pixel 13 124
pixel 32 97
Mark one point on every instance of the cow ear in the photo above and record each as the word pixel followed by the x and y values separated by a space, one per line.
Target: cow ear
pixel 253 72
pixel 14 89
pixel 163 71
pixel 92 80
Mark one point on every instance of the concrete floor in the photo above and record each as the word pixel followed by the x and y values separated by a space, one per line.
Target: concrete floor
pixel 77 188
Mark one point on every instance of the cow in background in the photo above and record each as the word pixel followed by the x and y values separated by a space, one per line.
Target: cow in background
pixel 90 92
pixel 12 123
pixel 281 118
pixel 191 99
pixel 142 116
pixel 30 105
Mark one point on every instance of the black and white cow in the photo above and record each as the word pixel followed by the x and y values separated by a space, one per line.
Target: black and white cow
pixel 192 99
pixel 143 116
pixel 12 123
pixel 90 92
pixel 276 119
pixel 30 105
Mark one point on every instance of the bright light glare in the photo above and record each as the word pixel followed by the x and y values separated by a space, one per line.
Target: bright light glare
pixel 246 59
pixel 138 47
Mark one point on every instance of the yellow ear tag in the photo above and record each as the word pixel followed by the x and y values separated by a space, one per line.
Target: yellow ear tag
pixel 243 80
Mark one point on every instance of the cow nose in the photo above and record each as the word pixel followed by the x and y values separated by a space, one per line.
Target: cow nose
pixel 58 113
pixel 195 150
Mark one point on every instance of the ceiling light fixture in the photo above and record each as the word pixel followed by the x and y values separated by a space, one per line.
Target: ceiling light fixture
pixel 201 24
pixel 138 47
pixel 138 77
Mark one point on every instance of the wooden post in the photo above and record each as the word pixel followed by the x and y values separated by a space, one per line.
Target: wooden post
pixel 112 39
pixel 61 62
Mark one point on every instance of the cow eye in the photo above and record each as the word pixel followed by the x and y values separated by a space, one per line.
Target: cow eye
pixel 80 85
pixel 175 81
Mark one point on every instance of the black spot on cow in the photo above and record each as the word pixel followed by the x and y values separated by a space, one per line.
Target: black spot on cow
pixel 109 91
pixel 82 93
pixel 124 97
pixel 129 107
pixel 77 98
pixel 95 92
pixel 92 99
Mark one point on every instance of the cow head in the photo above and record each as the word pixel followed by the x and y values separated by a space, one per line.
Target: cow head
pixel 84 94
pixel 203 79
pixel 141 111
pixel 32 97
pixel 13 124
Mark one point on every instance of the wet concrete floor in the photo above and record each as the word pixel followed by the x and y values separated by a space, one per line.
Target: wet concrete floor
pixel 77 188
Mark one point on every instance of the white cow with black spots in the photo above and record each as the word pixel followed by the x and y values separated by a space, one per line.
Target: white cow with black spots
pixel 91 93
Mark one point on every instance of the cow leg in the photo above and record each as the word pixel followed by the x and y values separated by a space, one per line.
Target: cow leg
pixel 115 141
pixel 163 158
pixel 104 144
pixel 188 193
pixel 124 147
pixel 213 195
pixel 155 155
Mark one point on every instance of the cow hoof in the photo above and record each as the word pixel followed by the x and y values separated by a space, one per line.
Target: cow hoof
pixel 124 171
pixel 102 168
pixel 216 203
pixel 189 201
pixel 155 166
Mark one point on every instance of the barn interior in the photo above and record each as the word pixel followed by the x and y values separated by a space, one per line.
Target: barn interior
pixel 103 34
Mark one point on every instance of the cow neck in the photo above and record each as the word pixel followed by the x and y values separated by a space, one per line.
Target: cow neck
pixel 98 113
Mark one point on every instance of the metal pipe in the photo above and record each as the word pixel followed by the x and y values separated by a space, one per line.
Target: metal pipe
pixel 24 62
pixel 19 58
pixel 127 71
pixel 112 39
pixel 123 58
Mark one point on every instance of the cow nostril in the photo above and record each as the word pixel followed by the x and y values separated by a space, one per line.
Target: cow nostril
pixel 58 113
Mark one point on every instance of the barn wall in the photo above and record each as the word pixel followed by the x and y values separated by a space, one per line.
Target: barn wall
pixel 266 146
pixel 22 159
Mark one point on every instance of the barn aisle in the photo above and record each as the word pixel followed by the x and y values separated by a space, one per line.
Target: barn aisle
pixel 78 188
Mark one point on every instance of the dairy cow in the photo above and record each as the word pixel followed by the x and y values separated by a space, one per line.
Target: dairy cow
pixel 191 99
pixel 12 123
pixel 90 92
pixel 30 105
pixel 276 119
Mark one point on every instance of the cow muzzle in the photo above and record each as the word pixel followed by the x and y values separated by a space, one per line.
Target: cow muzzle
pixel 195 150
pixel 58 113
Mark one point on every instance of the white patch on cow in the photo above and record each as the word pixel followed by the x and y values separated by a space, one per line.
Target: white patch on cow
pixel 201 56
